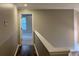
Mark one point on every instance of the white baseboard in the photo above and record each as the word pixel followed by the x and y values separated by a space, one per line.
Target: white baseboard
pixel 17 49
pixel 36 50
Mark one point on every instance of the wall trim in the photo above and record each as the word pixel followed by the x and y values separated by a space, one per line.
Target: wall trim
pixel 36 50
pixel 17 48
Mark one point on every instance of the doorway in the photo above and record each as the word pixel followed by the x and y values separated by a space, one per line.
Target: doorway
pixel 26 40
pixel 26 29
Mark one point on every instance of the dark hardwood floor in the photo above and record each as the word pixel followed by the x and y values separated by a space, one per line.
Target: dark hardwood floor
pixel 26 50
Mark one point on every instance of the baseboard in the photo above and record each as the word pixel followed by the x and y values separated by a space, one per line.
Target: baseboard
pixel 36 49
pixel 17 49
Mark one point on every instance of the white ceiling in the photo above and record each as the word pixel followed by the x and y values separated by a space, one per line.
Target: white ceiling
pixel 48 6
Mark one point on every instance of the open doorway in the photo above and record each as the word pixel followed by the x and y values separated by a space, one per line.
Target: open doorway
pixel 26 41
pixel 26 28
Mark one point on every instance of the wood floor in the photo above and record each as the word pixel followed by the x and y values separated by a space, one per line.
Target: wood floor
pixel 26 50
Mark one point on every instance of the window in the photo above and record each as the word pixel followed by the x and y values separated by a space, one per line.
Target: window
pixel 23 24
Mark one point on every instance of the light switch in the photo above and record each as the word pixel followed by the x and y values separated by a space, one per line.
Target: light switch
pixel 5 22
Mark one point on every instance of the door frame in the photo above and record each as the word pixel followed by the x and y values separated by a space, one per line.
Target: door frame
pixel 20 27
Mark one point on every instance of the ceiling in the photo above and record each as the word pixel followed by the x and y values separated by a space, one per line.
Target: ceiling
pixel 48 6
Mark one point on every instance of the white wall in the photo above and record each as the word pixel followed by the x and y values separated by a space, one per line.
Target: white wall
pixel 76 30
pixel 56 25
pixel 8 31
pixel 29 24
pixel 78 25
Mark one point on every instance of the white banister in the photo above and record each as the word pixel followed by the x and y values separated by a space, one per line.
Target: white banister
pixel 49 46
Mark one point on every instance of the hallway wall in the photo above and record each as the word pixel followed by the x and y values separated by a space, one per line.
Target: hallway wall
pixel 8 29
pixel 29 24
pixel 78 24
pixel 56 25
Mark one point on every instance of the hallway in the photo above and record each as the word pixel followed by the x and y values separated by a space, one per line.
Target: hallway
pixel 39 31
pixel 26 28
pixel 26 50
pixel 27 38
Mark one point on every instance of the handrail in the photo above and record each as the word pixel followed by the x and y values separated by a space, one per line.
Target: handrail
pixel 49 46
